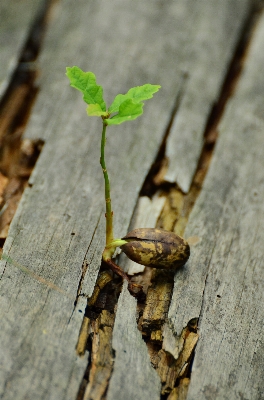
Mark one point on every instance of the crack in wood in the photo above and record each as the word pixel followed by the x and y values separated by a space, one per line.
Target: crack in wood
pixel 155 178
pixel 85 263
pixel 18 156
pixel 96 337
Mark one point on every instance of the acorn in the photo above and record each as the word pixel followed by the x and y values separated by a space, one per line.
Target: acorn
pixel 156 248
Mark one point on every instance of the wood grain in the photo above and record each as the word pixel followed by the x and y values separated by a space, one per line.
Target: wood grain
pixel 59 225
pixel 222 282
pixel 214 38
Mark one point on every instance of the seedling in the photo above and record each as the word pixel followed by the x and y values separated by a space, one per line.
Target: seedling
pixel 152 247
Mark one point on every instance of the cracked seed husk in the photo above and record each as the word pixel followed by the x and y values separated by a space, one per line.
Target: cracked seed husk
pixel 156 248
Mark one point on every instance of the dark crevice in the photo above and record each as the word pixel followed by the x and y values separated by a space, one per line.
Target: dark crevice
pixel 154 179
pixel 84 264
pixel 95 335
pixel 17 155
pixel 233 73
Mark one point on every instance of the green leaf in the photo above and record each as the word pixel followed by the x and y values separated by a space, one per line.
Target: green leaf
pixel 137 94
pixel 86 83
pixel 128 111
pixel 94 110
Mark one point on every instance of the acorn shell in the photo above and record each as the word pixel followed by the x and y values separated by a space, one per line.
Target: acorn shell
pixel 156 248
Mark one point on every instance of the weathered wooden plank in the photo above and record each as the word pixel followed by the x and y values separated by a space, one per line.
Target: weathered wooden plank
pixel 214 36
pixel 222 282
pixel 17 18
pixel 131 357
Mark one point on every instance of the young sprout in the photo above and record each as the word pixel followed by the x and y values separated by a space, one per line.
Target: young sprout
pixel 152 247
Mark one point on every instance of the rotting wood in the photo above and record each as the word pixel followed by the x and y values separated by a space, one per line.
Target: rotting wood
pixel 157 301
pixel 180 392
pixel 21 34
pixel 95 306
pixel 17 156
pixel 102 356
pixel 83 336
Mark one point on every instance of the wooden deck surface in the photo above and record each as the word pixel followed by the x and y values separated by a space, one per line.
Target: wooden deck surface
pixel 212 195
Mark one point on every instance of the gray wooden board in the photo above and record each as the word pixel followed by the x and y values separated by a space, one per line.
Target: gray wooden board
pixel 133 377
pixel 223 280
pixel 214 38
pixel 59 223
pixel 16 19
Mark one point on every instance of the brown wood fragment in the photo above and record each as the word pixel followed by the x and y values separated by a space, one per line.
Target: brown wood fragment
pixel 102 356
pixel 83 337
pixel 172 211
pixel 166 371
pixel 171 369
pixel 156 336
pixel 180 392
pixel 10 200
pixel 103 279
pixel 153 350
pixel 157 302
pixel 183 361
pixel 3 184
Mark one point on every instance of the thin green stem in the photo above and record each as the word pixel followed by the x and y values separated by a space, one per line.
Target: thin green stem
pixel 109 213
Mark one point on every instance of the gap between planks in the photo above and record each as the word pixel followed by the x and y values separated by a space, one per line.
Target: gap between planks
pixel 18 155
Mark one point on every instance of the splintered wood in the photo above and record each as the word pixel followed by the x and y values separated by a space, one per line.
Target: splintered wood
pixel 17 156
pixel 172 369
pixel 157 304
pixel 102 356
